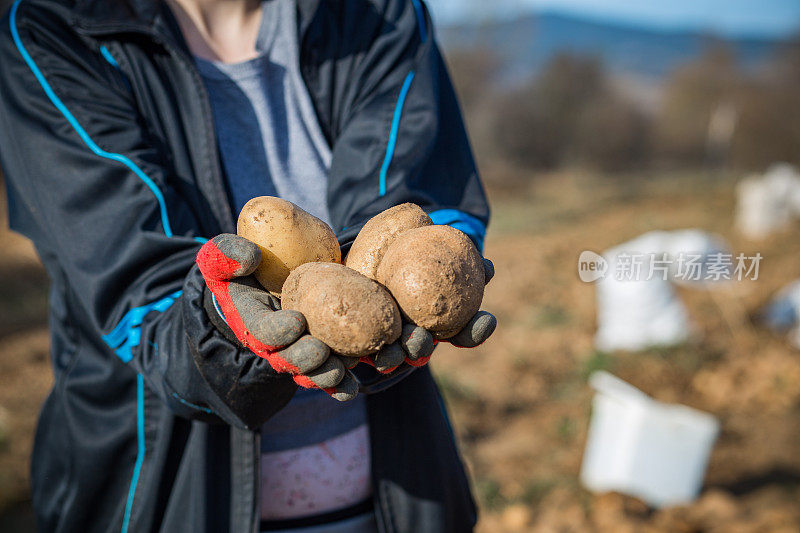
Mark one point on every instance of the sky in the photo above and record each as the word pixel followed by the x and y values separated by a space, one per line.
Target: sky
pixel 740 17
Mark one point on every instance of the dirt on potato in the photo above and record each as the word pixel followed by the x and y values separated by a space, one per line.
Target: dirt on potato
pixel 436 275
pixel 349 312
pixel 379 233
pixel 287 235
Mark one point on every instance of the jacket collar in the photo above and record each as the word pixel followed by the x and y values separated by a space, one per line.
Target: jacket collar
pixel 111 16
pixel 108 16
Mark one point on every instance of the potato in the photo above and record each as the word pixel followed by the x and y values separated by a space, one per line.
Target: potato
pixel 436 275
pixel 288 237
pixel 349 312
pixel 379 232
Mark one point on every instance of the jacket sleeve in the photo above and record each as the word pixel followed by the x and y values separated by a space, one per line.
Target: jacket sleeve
pixel 93 191
pixel 400 136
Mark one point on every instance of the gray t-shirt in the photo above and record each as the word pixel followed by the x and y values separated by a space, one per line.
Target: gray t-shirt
pixel 270 139
pixel 271 144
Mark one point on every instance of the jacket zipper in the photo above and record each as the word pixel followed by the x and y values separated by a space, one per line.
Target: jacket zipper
pixel 244 443
pixel 219 200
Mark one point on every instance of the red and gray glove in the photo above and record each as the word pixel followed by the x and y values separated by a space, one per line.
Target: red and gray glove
pixel 254 317
pixel 415 345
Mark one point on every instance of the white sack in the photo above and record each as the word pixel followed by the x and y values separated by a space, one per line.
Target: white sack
pixel 634 314
pixel 769 203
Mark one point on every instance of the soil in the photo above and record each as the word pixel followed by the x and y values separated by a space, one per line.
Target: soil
pixel 25 375
pixel 520 404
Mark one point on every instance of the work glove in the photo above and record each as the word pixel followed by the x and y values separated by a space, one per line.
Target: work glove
pixel 251 315
pixel 416 344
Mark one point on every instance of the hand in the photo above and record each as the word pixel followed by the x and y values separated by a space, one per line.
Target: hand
pixel 415 345
pixel 256 320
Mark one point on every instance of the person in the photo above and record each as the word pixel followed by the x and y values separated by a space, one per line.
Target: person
pixel 131 133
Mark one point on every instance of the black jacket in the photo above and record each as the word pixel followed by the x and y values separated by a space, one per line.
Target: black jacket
pixel 111 166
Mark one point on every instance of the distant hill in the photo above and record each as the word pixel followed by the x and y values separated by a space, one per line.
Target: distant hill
pixel 526 43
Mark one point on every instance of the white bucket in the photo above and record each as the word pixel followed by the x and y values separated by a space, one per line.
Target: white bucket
pixel 637 446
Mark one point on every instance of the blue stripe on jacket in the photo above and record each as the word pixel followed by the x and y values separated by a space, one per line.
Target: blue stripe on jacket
pixel 140 452
pixel 465 222
pixel 127 333
pixel 76 125
pixel 393 131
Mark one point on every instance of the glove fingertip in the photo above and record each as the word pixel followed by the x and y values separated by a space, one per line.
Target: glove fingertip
pixel 241 250
pixel 228 256
pixel 329 374
pixel 476 331
pixel 305 354
pixel 417 342
pixel 389 358
pixel 346 390
pixel 488 271
pixel 279 328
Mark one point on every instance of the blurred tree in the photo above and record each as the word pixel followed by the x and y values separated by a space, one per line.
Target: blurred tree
pixel 768 129
pixel 693 94
pixel 712 113
pixel 787 63
pixel 535 123
pixel 473 71
pixel 612 134
pixel 524 131
pixel 569 114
